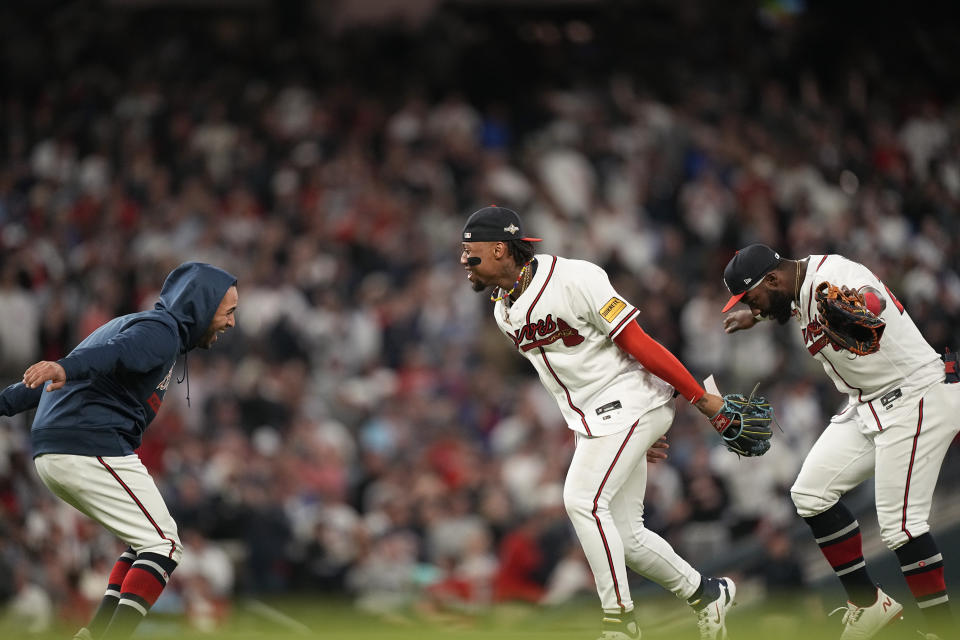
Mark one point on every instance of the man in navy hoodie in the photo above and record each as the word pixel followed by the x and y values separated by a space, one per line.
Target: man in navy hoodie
pixel 98 402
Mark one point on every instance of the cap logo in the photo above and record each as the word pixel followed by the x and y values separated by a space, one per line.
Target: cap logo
pixel 467 235
pixel 747 280
pixel 512 229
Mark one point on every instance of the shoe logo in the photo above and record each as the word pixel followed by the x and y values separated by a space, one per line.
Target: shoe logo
pixel 887 604
pixel 718 614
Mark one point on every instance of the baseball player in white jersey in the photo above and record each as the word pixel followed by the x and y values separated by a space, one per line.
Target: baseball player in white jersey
pixel 898 423
pixel 615 387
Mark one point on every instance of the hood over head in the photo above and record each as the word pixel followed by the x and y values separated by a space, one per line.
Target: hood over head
pixel 191 294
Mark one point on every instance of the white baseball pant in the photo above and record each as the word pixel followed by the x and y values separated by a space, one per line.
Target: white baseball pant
pixel 117 492
pixel 905 458
pixel 603 495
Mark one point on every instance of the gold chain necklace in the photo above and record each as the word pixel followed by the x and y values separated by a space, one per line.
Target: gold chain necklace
pixel 527 277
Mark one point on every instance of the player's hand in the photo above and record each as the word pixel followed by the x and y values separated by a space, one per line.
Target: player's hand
pixel 657 450
pixel 738 320
pixel 42 371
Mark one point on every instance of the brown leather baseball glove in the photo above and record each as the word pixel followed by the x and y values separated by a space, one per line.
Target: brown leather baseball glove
pixel 846 321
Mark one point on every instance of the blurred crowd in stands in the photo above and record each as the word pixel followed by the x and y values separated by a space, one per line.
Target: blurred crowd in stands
pixel 365 430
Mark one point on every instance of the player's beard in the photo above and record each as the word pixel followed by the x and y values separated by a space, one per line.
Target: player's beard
pixel 207 340
pixel 780 307
pixel 477 283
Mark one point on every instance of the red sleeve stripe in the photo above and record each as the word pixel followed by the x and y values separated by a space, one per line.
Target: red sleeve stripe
pixel 623 322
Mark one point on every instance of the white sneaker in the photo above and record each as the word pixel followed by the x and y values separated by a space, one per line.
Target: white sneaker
pixel 865 622
pixel 616 628
pixel 711 620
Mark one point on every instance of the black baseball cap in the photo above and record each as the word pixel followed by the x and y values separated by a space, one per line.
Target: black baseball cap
pixel 746 270
pixel 494 224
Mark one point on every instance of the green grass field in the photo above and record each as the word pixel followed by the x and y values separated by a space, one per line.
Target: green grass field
pixel 661 618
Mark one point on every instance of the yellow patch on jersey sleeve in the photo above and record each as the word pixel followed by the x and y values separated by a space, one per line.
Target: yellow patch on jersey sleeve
pixel 612 309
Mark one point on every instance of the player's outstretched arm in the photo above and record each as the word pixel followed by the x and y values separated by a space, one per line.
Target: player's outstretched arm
pixel 138 348
pixel 739 320
pixel 658 360
pixel 743 423
pixel 17 398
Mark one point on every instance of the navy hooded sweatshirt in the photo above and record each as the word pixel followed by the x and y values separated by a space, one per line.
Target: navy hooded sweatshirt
pixel 117 377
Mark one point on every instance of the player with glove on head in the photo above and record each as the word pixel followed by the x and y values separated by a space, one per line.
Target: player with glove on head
pixel 899 421
pixel 615 387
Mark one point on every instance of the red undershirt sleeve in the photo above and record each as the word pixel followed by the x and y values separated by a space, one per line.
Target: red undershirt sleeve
pixel 656 359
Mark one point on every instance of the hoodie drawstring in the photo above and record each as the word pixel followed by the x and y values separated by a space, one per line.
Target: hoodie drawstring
pixel 186 376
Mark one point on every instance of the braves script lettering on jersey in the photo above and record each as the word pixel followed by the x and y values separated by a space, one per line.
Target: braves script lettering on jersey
pixel 564 324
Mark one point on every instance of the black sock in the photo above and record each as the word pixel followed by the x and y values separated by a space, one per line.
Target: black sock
pixel 125 621
pixel 838 534
pixel 110 599
pixel 922 566
pixel 707 592
pixel 103 615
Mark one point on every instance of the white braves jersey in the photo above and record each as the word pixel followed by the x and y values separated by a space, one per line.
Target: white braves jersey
pixel 880 383
pixel 564 323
